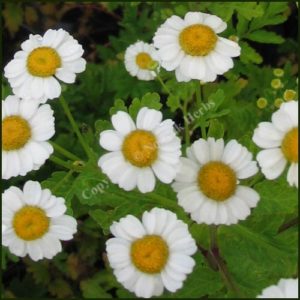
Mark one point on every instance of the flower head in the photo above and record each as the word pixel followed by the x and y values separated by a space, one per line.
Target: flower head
pixel 26 129
pixel 34 221
pixel 207 184
pixel 141 59
pixel 150 255
pixel 279 138
pixel 192 48
pixel 33 71
pixel 138 151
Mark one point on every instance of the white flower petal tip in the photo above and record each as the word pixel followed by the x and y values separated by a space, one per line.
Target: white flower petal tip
pixel 26 129
pixel 207 184
pixel 279 139
pixel 44 212
pixel 181 49
pixel 141 61
pixel 34 71
pixel 169 247
pixel 140 151
pixel 285 288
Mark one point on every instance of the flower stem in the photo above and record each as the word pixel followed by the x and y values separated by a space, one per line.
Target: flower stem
pixel 214 252
pixel 68 113
pixel 199 99
pixel 186 123
pixel 61 162
pixel 65 152
pixel 163 84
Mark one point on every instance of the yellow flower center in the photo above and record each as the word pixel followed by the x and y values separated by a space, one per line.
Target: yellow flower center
pixel 217 181
pixel 15 133
pixel 140 148
pixel 43 62
pixel 289 145
pixel 143 60
pixel 150 254
pixel 197 40
pixel 30 223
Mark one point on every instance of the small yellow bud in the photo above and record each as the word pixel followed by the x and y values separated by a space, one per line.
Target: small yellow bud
pixel 234 38
pixel 289 95
pixel 276 83
pixel 278 72
pixel 278 102
pixel 261 102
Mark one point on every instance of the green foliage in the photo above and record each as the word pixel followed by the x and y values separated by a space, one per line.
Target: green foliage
pixel 256 252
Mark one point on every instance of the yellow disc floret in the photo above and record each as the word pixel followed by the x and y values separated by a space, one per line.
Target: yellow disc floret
pixel 149 254
pixel 43 62
pixel 30 223
pixel 140 148
pixel 197 40
pixel 144 60
pixel 217 181
pixel 16 132
pixel 289 145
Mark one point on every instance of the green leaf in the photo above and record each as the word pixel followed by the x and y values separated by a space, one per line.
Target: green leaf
pixel 91 288
pixel 216 129
pixel 266 37
pixel 249 54
pixel 101 125
pixel 173 102
pixel 13 16
pixel 119 105
pixel 150 100
pixel 203 281
pixel 249 10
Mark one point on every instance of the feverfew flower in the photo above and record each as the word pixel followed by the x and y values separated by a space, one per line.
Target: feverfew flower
pixel 138 151
pixel 26 129
pixel 35 222
pixel 140 60
pixel 286 288
pixel 33 71
pixel 207 184
pixel 192 48
pixel 279 138
pixel 150 255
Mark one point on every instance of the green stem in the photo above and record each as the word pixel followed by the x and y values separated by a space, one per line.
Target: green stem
pixel 214 252
pixel 199 100
pixel 62 181
pixel 186 123
pixel 288 224
pixel 61 162
pixel 163 84
pixel 68 113
pixel 65 152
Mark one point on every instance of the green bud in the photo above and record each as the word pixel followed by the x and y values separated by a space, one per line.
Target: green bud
pixel 289 95
pixel 261 102
pixel 278 102
pixel 276 83
pixel 278 72
pixel 153 65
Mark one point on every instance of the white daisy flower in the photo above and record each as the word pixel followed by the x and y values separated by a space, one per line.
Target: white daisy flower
pixel 26 128
pixel 286 288
pixel 150 255
pixel 35 222
pixel 138 151
pixel 279 138
pixel 192 48
pixel 32 72
pixel 207 184
pixel 140 59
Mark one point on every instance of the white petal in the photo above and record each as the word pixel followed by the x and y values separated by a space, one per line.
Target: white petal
pixel 122 122
pixel 292 176
pixel 111 140
pixel 165 173
pixel 145 180
pixel 148 119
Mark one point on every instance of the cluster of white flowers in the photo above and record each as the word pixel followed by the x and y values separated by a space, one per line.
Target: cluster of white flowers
pixel 190 46
pixel 34 220
pixel 154 254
